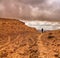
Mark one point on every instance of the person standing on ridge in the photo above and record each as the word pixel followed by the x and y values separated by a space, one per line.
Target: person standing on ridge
pixel 42 30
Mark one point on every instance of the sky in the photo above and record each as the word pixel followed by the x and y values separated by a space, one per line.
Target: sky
pixel 30 9
pixel 46 25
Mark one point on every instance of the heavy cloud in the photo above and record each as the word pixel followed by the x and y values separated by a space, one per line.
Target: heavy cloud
pixel 30 9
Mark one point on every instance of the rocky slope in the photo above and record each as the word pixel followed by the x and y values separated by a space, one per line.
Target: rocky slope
pixel 20 41
pixel 49 44
pixel 17 40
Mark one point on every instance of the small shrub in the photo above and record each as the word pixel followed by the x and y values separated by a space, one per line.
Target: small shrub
pixel 56 55
pixel 58 44
pixel 50 33
pixel 49 37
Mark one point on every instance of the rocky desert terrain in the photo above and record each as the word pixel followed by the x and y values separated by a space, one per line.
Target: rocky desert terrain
pixel 17 40
pixel 20 41
pixel 49 44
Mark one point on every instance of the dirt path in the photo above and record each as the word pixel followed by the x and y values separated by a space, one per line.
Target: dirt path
pixel 42 49
pixel 9 43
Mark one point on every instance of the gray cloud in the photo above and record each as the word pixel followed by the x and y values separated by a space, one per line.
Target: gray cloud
pixel 32 2
pixel 30 9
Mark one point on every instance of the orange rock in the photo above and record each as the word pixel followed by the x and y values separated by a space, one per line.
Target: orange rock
pixel 20 41
pixel 17 40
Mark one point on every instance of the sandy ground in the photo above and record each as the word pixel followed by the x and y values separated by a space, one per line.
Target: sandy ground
pixel 20 41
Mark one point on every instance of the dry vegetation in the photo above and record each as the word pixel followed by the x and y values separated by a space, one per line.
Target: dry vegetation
pixel 20 41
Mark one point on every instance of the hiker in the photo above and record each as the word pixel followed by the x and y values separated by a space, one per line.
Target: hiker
pixel 42 30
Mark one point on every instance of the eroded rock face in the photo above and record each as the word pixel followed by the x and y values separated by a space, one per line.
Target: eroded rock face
pixel 17 40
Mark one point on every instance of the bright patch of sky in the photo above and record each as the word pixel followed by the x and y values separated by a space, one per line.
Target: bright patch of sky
pixel 46 25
